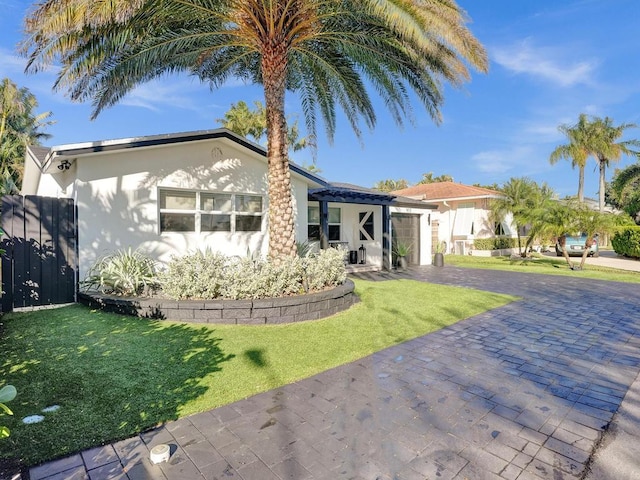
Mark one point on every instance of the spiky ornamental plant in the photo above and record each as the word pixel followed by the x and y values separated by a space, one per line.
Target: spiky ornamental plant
pixel 330 52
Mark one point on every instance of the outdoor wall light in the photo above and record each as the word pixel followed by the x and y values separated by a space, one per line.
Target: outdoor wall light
pixel 362 255
pixel 64 165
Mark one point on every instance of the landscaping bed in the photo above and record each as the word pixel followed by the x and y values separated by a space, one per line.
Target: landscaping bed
pixel 295 308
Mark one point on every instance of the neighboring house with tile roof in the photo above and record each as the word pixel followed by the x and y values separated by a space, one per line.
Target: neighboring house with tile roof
pixel 463 213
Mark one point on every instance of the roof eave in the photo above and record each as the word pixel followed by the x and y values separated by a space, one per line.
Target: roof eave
pixel 456 199
pixel 70 151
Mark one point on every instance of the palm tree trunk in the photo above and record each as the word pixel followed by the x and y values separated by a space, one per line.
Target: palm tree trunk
pixel 587 249
pixel 563 243
pixel 581 185
pixel 281 226
pixel 603 164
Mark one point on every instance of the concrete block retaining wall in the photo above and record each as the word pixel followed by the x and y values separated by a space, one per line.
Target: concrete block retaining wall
pixel 239 312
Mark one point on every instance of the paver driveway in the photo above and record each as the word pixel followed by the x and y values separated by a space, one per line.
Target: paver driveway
pixel 524 391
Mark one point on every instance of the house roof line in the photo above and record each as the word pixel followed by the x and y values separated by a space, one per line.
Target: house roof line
pixel 440 191
pixel 152 140
pixel 348 195
pixel 409 202
pixel 455 199
pixel 73 149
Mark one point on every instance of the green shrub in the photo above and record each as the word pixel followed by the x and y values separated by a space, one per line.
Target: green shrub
pixel 497 243
pixel 626 241
pixel 124 272
pixel 195 275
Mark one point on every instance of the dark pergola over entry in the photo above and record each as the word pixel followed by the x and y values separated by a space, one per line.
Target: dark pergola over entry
pixel 325 195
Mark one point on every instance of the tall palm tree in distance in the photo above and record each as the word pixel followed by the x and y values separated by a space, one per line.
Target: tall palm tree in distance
pixel 607 147
pixel 524 200
pixel 577 150
pixel 330 52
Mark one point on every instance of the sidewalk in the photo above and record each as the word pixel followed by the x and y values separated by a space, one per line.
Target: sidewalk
pixel 609 258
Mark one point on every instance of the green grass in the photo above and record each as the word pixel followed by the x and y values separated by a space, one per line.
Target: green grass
pixel 114 376
pixel 546 265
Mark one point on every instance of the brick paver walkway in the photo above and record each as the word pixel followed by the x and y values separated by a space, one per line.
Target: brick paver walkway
pixel 521 392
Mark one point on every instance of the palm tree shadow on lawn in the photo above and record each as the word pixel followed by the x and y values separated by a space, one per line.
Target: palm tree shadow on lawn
pixel 113 376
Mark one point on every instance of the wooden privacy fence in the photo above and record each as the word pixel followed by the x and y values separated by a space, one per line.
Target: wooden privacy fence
pixel 39 263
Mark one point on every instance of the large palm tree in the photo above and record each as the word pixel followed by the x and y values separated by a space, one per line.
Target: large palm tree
pixel 605 144
pixel 524 200
pixel 576 150
pixel 328 51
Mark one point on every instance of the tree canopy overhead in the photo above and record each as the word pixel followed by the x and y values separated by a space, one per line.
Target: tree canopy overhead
pixel 330 52
pixel 244 121
pixel 20 126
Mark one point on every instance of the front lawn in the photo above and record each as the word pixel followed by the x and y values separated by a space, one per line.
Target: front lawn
pixel 114 376
pixel 546 265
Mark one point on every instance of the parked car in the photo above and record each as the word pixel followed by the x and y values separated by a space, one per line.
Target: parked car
pixel 575 245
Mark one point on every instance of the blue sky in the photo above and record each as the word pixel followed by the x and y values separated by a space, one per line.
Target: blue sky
pixel 550 61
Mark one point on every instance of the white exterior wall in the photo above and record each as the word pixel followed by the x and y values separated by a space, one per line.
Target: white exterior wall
pixel 447 211
pixel 350 230
pixel 117 198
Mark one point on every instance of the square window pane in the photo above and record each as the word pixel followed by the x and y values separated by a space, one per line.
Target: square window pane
pixel 177 222
pixel 215 223
pixel 334 215
pixel 313 232
pixel 178 200
pixel 215 202
pixel 246 223
pixel 249 203
pixel 313 214
pixel 334 233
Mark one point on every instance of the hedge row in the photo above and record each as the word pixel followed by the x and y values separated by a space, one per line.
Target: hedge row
pixel 498 243
pixel 626 241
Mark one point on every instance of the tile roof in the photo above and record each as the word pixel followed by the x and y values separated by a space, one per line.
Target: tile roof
pixel 444 191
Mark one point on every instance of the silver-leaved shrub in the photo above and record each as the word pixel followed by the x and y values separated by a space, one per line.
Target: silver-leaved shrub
pixel 249 278
pixel 211 275
pixel 325 269
pixel 200 274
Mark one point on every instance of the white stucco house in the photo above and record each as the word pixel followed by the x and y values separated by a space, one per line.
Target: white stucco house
pixel 171 194
pixel 463 213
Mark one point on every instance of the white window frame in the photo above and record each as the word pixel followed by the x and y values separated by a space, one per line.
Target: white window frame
pixel 331 224
pixel 198 212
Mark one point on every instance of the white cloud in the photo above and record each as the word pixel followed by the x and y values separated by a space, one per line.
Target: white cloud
pixel 502 161
pixel 168 92
pixel 10 64
pixel 547 63
pixel 175 91
pixel 542 132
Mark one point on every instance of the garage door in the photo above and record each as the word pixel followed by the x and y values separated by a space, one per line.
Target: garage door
pixel 405 228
